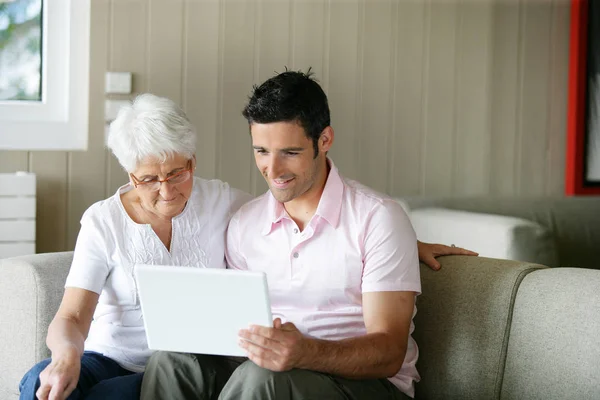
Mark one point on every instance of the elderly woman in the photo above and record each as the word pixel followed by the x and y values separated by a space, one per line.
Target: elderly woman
pixel 163 216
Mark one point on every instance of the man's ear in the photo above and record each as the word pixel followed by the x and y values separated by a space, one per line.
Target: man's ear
pixel 326 139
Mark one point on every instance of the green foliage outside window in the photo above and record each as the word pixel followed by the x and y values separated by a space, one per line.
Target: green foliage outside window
pixel 21 50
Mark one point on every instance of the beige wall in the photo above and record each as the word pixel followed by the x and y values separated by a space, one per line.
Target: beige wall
pixel 428 97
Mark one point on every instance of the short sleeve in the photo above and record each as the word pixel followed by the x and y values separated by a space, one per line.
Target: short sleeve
pixel 90 268
pixel 233 257
pixel 391 257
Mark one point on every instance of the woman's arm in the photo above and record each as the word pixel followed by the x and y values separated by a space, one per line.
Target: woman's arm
pixel 71 324
pixel 66 336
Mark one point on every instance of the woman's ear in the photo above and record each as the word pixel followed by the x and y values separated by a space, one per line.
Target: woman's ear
pixel 131 181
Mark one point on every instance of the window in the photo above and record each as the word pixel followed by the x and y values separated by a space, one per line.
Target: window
pixel 21 50
pixel 44 77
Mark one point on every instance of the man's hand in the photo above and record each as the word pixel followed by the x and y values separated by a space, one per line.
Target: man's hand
pixel 428 252
pixel 60 377
pixel 280 348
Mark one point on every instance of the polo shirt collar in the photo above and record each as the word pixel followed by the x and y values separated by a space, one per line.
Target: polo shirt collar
pixel 329 207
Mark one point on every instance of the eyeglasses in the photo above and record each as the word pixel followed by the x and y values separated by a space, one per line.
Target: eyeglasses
pixel 152 185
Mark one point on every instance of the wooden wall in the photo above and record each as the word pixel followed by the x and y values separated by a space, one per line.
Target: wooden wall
pixel 442 97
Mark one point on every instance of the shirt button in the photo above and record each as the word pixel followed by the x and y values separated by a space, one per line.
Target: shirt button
pixel 295 230
pixel 296 255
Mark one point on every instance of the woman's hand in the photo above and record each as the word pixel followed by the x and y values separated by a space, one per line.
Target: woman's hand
pixel 60 377
pixel 428 252
pixel 66 338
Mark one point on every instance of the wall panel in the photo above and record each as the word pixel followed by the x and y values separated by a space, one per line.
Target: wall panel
pixel 454 97
pixel 234 151
pixel 532 149
pixel 412 39
pixel 377 54
pixel 440 91
pixel 200 88
pixel 506 80
pixel 130 20
pixel 12 161
pixel 51 172
pixel 557 99
pixel 472 145
pixel 87 169
pixel 343 80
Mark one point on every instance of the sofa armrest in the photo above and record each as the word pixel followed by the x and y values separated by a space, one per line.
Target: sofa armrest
pixel 462 325
pixel 31 288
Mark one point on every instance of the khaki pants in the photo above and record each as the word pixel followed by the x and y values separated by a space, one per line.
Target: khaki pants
pixel 195 376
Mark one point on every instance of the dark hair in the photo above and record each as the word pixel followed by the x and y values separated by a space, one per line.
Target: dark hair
pixel 290 96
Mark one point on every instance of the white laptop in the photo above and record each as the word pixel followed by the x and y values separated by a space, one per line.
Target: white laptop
pixel 201 310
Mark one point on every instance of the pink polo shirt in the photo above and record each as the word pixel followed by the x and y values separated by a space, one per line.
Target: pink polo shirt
pixel 358 241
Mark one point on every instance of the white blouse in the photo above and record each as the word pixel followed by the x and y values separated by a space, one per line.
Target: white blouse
pixel 110 243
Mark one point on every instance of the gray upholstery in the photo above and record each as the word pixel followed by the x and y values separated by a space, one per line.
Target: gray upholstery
pixel 472 345
pixel 31 288
pixel 462 324
pixel 573 221
pixel 554 347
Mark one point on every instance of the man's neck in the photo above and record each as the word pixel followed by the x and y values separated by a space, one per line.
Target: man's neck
pixel 303 208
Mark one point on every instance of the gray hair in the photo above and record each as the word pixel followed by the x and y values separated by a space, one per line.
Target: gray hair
pixel 150 126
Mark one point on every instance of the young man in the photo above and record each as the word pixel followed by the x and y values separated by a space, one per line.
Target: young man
pixel 342 266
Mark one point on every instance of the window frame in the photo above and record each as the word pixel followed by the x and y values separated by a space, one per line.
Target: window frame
pixel 60 120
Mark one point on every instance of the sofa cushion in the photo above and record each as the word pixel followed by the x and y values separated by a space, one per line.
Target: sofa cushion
pixel 462 324
pixel 554 343
pixel 494 236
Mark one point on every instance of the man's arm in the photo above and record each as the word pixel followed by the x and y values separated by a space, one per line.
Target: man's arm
pixel 378 354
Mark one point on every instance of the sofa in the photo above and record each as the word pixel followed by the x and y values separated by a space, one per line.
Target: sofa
pixel 486 328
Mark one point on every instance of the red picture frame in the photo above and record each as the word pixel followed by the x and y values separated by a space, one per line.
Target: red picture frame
pixel 576 112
